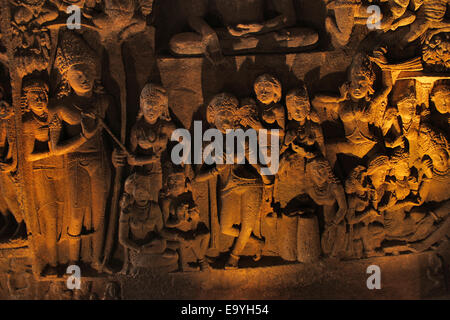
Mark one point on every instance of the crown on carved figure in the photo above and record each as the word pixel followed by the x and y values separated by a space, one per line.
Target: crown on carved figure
pixel 73 50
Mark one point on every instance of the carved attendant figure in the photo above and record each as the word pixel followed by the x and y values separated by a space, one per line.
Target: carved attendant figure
pixel 183 224
pixel 149 137
pixel 324 188
pixel 303 130
pixel 241 183
pixel 141 223
pixel 8 167
pixel 357 107
pixel 39 126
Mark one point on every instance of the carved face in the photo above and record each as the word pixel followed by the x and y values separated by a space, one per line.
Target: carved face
pixel 176 185
pixel 440 160
pixel 141 192
pixel 37 101
pixel 441 101
pixel 152 108
pixel 401 170
pixel 265 92
pixel 379 176
pixel 298 108
pixel 225 120
pixel 81 78
pixel 359 86
pixel 406 109
pixel 186 213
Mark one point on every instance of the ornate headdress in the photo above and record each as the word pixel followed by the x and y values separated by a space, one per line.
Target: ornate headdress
pixel 33 84
pixel 221 102
pixel 152 91
pixel 73 50
pixel 362 66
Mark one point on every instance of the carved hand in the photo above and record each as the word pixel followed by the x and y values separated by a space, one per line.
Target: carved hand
pixel 343 90
pixel 244 29
pixel 119 158
pixel 89 126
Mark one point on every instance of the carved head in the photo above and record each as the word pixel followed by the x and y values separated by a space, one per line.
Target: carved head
pixel 320 173
pixel 137 185
pixel 441 98
pixel 77 63
pixel 441 160
pixel 176 184
pixel 35 96
pixel 355 181
pixel 378 169
pixel 223 112
pixel 406 105
pixel 186 212
pixel 298 105
pixel 400 165
pixel 154 103
pixel 267 89
pixel 361 77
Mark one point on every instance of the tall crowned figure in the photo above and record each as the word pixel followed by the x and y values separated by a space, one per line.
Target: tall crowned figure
pixel 84 110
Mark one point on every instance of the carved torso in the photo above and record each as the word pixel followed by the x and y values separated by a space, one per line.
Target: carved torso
pixel 144 222
pixel 233 12
pixel 69 110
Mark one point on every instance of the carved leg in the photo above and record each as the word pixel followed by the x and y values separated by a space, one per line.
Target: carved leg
pixel 417 28
pixel 99 177
pixel 74 233
pixel 251 202
pixel 229 214
pixel 188 43
pixel 50 220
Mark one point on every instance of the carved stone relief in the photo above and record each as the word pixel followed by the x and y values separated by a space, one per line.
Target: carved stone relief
pixel 88 118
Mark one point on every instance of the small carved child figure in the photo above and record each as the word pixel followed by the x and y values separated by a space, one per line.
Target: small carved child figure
pixel 365 225
pixel 183 223
pixel 268 92
pixel 141 224
pixel 303 132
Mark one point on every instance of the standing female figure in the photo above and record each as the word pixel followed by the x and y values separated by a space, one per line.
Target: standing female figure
pixel 47 169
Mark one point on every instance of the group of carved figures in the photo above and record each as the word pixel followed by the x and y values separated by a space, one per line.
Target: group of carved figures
pixel 385 202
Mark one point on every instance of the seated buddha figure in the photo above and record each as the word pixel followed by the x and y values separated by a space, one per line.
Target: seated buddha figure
pixel 243 25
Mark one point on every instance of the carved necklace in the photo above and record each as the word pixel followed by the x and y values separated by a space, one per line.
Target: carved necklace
pixel 42 120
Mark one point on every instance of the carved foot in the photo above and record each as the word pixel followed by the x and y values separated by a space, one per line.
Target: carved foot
pixel 204 265
pixel 232 262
